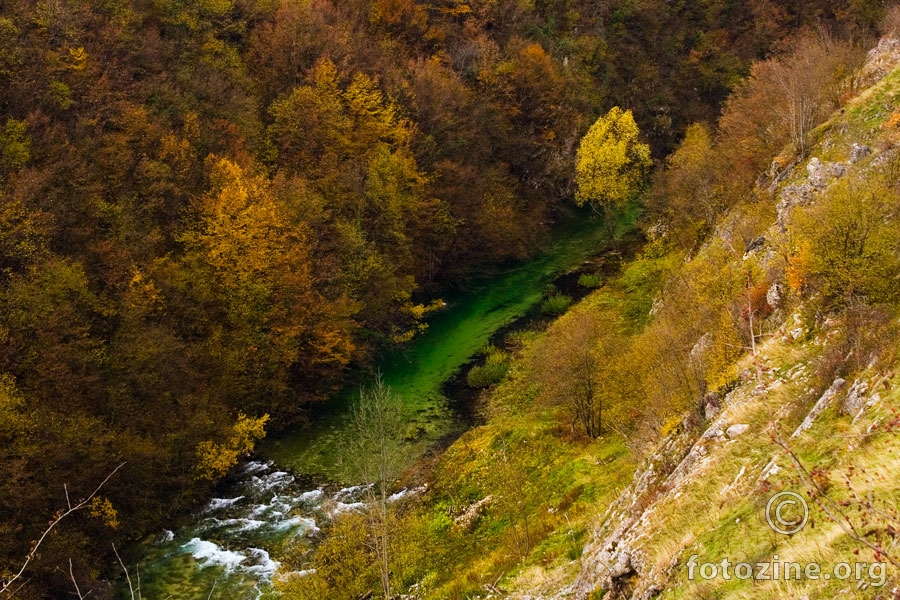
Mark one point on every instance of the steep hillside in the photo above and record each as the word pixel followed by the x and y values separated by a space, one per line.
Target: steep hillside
pixel 813 409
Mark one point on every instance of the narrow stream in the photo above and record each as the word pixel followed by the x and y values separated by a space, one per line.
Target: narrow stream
pixel 230 549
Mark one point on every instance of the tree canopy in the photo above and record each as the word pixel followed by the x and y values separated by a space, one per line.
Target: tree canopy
pixel 611 164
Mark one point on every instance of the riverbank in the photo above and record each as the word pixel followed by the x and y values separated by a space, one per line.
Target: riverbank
pixel 514 491
pixel 419 371
pixel 235 540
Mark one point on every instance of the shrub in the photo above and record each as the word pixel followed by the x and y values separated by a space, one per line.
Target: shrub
pixel 556 304
pixel 589 280
pixel 846 246
pixel 485 375
pixel 516 340
pixel 492 371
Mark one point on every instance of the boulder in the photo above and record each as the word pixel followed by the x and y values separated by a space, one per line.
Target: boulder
pixel 821 173
pixel 818 174
pixel 823 403
pixel 714 431
pixel 856 398
pixel 472 512
pixel 736 430
pixel 837 170
pixel 880 61
pixel 756 244
pixel 712 405
pixel 791 196
pixel 621 565
pixel 859 152
pixel 773 296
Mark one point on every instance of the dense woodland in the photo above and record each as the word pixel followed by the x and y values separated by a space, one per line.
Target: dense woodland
pixel 212 211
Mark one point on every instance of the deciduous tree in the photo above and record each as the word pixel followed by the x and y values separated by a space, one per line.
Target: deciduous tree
pixel 374 455
pixel 689 194
pixel 259 265
pixel 611 164
pixel 576 366
pixel 846 245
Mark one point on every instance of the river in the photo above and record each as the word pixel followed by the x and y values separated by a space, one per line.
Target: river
pixel 229 549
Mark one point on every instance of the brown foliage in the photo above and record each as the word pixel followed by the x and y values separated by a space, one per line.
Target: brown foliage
pixel 783 99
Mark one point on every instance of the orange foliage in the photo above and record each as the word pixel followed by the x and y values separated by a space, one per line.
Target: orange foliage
pixel 799 266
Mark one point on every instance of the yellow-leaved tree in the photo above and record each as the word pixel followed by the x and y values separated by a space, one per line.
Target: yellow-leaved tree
pixel 846 247
pixel 215 459
pixel 691 193
pixel 274 326
pixel 611 164
pixel 351 146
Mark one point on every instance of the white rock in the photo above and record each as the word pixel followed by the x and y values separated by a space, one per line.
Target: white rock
pixel 856 400
pixel 859 152
pixel 823 403
pixel 773 296
pixel 736 430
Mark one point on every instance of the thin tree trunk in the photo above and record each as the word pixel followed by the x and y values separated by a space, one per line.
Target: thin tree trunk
pixel 608 219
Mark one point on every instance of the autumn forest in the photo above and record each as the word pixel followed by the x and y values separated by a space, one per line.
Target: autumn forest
pixel 217 214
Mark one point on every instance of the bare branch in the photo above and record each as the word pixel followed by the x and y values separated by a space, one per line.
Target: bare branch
pixel 72 575
pixel 6 588
pixel 832 509
pixel 127 576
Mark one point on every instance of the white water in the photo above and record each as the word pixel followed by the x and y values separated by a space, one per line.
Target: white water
pixel 208 554
pixel 233 542
pixel 217 503
pixel 293 514
pixel 232 546
pixel 312 497
pixel 166 536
